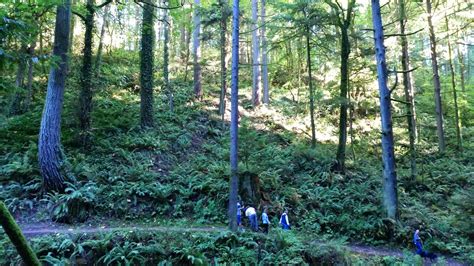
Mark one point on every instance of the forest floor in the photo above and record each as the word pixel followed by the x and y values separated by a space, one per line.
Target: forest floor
pixel 41 229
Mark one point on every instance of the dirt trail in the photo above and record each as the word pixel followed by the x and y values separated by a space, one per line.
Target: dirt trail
pixel 34 230
pixel 40 229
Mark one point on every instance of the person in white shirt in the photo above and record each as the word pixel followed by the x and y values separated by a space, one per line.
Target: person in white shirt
pixel 252 215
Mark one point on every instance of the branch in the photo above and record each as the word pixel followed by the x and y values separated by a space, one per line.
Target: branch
pixel 104 4
pixel 406 71
pixel 159 7
pixel 399 101
pixel 406 34
pixel 399 116
pixel 396 80
pixel 79 15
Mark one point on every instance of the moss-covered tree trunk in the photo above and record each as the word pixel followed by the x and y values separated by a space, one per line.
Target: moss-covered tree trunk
pixel 146 65
pixel 16 236
pixel 85 96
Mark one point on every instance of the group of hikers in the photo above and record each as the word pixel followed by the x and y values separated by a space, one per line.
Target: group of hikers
pixel 251 214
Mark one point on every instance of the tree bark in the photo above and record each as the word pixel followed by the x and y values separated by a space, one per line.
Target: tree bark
pixel 16 236
pixel 388 155
pixel 49 145
pixel 223 43
pixel 344 86
pixel 188 53
pixel 311 92
pixel 166 59
pixel 85 97
pixel 29 83
pixel 343 21
pixel 255 56
pixel 71 30
pixel 197 50
pixel 147 65
pixel 408 88
pixel 105 25
pixel 436 81
pixel 462 71
pixel 266 93
pixel 234 121
pixel 457 120
pixel 15 107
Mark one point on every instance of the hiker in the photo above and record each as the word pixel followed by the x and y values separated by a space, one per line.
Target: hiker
pixel 265 221
pixel 239 215
pixel 419 247
pixel 252 215
pixel 285 224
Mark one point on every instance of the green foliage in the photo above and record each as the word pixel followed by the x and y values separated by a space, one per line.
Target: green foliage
pixel 179 170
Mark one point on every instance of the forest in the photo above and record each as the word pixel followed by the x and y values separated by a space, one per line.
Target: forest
pixel 146 132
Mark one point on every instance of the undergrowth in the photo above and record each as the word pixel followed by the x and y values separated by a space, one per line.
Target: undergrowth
pixel 180 170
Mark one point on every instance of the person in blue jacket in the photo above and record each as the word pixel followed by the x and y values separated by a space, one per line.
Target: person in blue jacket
pixel 285 223
pixel 239 214
pixel 419 246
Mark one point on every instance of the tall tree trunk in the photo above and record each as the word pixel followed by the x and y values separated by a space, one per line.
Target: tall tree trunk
pixel 462 70
pixel 85 97
pixel 49 145
pixel 457 120
pixel 311 92
pixel 166 59
pixel 351 122
pixel 223 43
pixel 234 121
pixel 137 28
pixel 188 53
pixel 147 65
pixel 197 49
pixel 408 88
pixel 105 25
pixel 29 84
pixel 71 30
pixel 255 56
pixel 388 155
pixel 344 87
pixel 16 236
pixel 437 85
pixel 182 42
pixel 266 93
pixel 15 107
